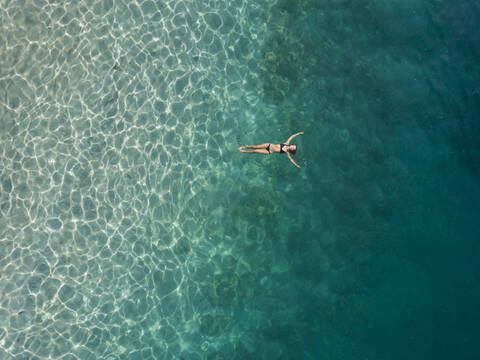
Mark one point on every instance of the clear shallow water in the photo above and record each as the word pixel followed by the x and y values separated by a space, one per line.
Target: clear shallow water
pixel 132 228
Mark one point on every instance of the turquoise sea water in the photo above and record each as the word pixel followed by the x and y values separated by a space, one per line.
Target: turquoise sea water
pixel 132 228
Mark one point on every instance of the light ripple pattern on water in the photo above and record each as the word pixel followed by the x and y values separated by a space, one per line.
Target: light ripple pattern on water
pixel 113 128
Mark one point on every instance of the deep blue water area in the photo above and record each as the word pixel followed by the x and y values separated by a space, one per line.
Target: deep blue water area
pixel 391 105
pixel 132 228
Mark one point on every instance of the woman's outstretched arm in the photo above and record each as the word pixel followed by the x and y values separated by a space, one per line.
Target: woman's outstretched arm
pixel 291 137
pixel 291 159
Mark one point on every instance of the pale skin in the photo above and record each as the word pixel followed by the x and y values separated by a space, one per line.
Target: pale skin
pixel 269 148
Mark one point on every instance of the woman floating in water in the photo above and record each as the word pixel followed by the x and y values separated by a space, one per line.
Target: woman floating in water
pixel 269 148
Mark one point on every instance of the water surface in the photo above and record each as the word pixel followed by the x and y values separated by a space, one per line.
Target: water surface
pixel 131 227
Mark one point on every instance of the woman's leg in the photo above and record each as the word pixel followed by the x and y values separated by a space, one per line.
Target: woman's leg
pixel 261 146
pixel 255 151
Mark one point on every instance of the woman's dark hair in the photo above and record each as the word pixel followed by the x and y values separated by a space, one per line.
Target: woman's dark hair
pixel 294 151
